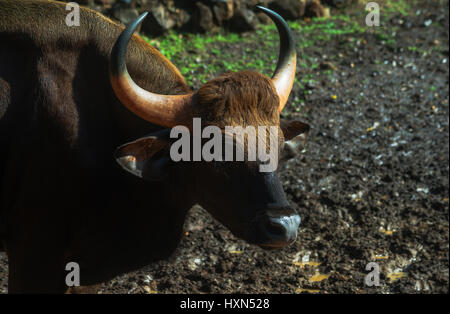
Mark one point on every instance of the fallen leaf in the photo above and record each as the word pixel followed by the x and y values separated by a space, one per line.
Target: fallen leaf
pixel 149 290
pixel 318 277
pixel 387 232
pixel 396 276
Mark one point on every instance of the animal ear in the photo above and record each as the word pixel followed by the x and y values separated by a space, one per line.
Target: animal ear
pixel 295 134
pixel 147 157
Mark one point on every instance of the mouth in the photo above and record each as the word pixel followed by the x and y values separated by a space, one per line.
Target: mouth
pixel 276 245
pixel 272 246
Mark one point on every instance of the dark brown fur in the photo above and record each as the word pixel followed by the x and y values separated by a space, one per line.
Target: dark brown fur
pixel 63 198
pixel 243 99
pixel 41 25
pixel 60 123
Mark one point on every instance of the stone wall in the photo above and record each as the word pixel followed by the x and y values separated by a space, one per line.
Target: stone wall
pixel 206 15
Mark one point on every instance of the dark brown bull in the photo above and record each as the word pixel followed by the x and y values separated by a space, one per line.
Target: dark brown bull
pixel 63 196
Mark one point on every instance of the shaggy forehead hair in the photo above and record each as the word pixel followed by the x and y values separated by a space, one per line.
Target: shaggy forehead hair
pixel 241 99
pixel 244 98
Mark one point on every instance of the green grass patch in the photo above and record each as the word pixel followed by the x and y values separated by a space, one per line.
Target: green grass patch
pixel 402 7
pixel 201 57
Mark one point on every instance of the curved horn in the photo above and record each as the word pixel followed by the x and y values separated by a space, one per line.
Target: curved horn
pixel 283 77
pixel 164 110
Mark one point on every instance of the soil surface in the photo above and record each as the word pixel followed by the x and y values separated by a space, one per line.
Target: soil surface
pixel 371 184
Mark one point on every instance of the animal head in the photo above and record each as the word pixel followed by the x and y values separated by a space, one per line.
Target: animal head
pixel 250 202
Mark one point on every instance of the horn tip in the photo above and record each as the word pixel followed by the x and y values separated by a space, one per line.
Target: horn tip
pixel 261 8
pixel 142 17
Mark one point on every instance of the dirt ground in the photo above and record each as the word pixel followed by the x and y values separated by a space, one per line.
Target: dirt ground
pixel 371 185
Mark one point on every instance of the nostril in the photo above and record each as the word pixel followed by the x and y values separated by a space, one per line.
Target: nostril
pixel 284 227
